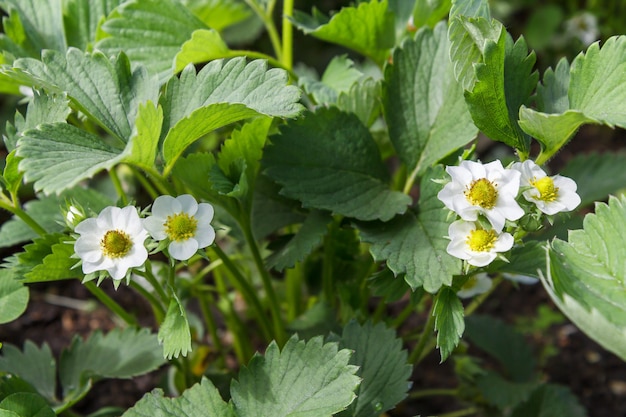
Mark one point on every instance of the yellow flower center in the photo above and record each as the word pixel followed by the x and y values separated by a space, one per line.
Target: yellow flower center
pixel 116 244
pixel 482 193
pixel 481 240
pixel 547 191
pixel 180 226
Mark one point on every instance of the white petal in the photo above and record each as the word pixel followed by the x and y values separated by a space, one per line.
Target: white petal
pixel 503 243
pixel 481 258
pixel 188 204
pixel 458 249
pixel 87 226
pixel 205 213
pixel 183 250
pixel 106 218
pixel 496 218
pixel 165 205
pixel 461 176
pixel 156 227
pixel 477 169
pixel 205 235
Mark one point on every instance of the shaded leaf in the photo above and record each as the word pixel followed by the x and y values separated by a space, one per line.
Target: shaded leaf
pixel 501 392
pixel 34 365
pixel 329 161
pixel 597 175
pixel 550 400
pixel 449 323
pixel 362 99
pixel 13 297
pixel 27 404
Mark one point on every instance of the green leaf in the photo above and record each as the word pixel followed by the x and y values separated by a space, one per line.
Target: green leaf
pixel 503 393
pixel 338 77
pixel 118 354
pixel 503 343
pixel 552 91
pixel 219 14
pixel 174 333
pixel 270 210
pixel 41 23
pixel 303 243
pixel 384 283
pixel 449 323
pixel 34 365
pixel 11 384
pixel 597 175
pixel 305 379
pixel 586 275
pixel 11 176
pixel 471 8
pixel 429 12
pixel 419 99
pixel 362 99
pixel 550 400
pixel 13 297
pixel 105 89
pixel 221 93
pixel 368 28
pixel 414 244
pixel 329 161
pixel 58 156
pixel 504 82
pixel 193 171
pixel 382 365
pixel 205 45
pixel 27 404
pixel 82 19
pixel 150 32
pixel 144 142
pixel 469 38
pixel 527 260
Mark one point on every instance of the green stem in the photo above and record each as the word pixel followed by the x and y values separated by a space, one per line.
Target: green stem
pixel 417 354
pixel 380 310
pixel 23 216
pixel 241 342
pixel 293 285
pixel 279 329
pixel 327 268
pixel 461 413
pixel 287 34
pixel 111 304
pixel 408 185
pixel 150 189
pixel 248 292
pixel 450 392
pixel 118 186
pixel 157 307
pixel 266 17
pixel 149 276
pixel 404 314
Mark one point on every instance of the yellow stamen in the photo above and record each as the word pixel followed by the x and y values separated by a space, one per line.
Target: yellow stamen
pixel 180 226
pixel 482 193
pixel 547 191
pixel 116 244
pixel 481 240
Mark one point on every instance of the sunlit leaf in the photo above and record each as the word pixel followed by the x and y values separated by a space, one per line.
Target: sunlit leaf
pixel 205 45
pixel 174 333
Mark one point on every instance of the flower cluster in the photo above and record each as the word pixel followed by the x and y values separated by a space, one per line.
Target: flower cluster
pixel 115 241
pixel 486 196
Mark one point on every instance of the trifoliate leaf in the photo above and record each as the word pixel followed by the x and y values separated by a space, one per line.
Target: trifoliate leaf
pixel 219 14
pixel 306 379
pixel 420 95
pixel 105 89
pixel 302 243
pixel 118 354
pixel 27 404
pixel 34 365
pixel 504 82
pixel 82 19
pixel 58 156
pixel 13 297
pixel 585 275
pixel 449 323
pixel 368 28
pixel 174 333
pixel 150 32
pixel 382 365
pixel 144 142
pixel 201 400
pixel 503 343
pixel 41 23
pixel 596 175
pixel 469 37
pixel 205 45
pixel 329 161
pixel 550 400
pixel 219 94
pixel 414 244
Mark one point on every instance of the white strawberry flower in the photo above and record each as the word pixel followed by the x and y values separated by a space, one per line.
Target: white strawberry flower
pixel 112 242
pixel 475 285
pixel 476 246
pixel 184 222
pixel 551 195
pixel 487 189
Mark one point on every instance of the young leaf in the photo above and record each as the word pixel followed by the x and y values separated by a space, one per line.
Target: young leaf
pixel 338 77
pixel 82 19
pixel 150 32
pixel 362 99
pixel 329 161
pixel 307 379
pixel 118 354
pixel 58 156
pixel 503 343
pixel 174 333
pixel 58 264
pixel 419 99
pixel 221 93
pixel 429 13
pixel 27 404
pixel 368 28
pixel 382 365
pixel 550 400
pixel 104 89
pixel 34 365
pixel 449 323
pixel 585 276
pixel 13 297
pixel 201 400
pixel 302 243
pixel 144 142
pixel 596 175
pixel 414 244
pixel 205 45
